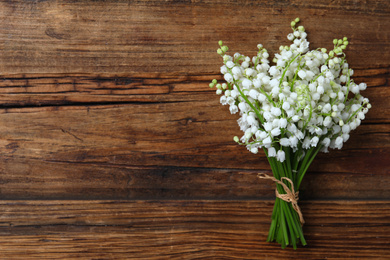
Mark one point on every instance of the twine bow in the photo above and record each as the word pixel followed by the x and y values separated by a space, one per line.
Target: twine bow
pixel 290 196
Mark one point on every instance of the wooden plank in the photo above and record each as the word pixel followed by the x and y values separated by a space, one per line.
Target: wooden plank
pixel 125 151
pixel 155 36
pixel 187 230
pixel 36 179
pixel 76 89
pixel 159 134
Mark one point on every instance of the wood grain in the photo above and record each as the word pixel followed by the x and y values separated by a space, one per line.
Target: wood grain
pixel 187 230
pixel 30 90
pixel 59 145
pixel 34 179
pixel 112 146
pixel 176 36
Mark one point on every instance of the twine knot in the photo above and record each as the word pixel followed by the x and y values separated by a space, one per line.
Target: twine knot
pixel 290 196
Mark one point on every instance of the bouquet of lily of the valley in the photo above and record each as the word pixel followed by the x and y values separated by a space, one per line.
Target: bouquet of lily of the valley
pixel 303 103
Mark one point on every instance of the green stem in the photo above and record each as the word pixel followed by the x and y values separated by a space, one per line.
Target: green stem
pixel 309 157
pixel 287 67
pixel 250 104
pixel 285 226
pixel 274 217
pixel 296 74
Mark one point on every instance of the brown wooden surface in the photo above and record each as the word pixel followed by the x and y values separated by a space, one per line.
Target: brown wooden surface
pixel 112 146
pixel 187 230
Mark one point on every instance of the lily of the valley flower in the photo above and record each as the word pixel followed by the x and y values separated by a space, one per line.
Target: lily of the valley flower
pixel 306 99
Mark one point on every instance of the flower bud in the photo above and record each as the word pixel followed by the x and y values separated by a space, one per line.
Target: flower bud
pixel 271 152
pixel 281 156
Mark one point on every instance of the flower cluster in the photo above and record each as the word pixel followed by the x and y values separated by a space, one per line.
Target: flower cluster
pixel 305 99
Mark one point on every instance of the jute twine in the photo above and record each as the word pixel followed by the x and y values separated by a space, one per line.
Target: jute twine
pixel 290 196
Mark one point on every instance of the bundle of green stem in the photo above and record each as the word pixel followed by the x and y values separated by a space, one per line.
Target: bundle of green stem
pixel 287 221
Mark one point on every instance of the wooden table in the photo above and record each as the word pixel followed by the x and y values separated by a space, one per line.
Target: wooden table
pixel 114 147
